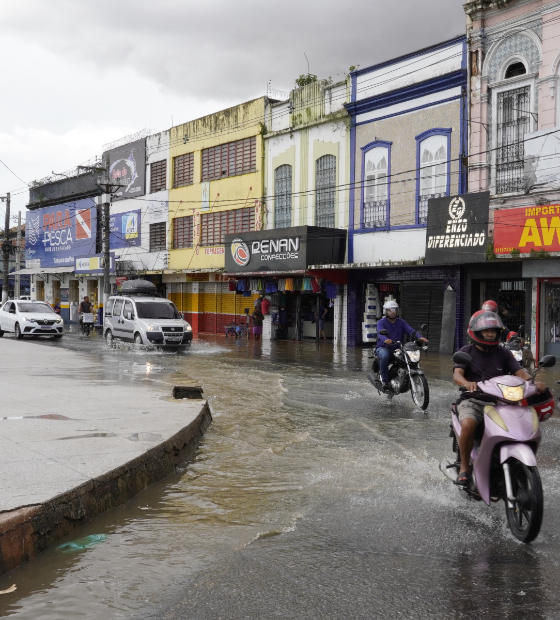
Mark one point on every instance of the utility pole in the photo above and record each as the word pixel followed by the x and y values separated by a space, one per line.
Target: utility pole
pixel 17 291
pixel 106 200
pixel 6 249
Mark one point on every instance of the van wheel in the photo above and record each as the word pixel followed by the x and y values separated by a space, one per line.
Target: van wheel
pixel 109 339
pixel 138 339
pixel 18 333
pixel 1 333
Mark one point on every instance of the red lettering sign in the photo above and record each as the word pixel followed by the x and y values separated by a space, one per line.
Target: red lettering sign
pixel 527 229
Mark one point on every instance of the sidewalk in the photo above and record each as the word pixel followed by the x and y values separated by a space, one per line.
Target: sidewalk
pixel 76 441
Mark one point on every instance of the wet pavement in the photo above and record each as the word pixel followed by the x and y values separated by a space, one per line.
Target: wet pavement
pixel 309 497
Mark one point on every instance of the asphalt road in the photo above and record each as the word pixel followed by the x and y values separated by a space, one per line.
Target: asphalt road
pixel 310 497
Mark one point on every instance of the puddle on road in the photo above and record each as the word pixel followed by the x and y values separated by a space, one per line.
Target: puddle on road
pixel 296 426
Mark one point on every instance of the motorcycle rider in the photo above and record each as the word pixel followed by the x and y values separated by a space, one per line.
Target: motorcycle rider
pixel 397 329
pixel 485 329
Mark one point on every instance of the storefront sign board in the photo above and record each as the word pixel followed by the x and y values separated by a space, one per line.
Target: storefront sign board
pixel 93 264
pixel 527 229
pixel 457 230
pixel 56 235
pixel 125 229
pixel 284 249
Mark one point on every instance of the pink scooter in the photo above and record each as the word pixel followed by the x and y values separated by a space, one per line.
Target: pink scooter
pixel 504 463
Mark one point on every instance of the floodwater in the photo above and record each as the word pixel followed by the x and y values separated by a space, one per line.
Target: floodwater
pixel 309 497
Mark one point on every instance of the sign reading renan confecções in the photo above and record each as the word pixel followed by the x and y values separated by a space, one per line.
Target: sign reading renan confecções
pixel 284 249
pixel 527 229
pixel 457 229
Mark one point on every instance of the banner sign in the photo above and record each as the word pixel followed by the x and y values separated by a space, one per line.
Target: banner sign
pixel 127 167
pixel 55 235
pixel 93 264
pixel 125 229
pixel 457 229
pixel 284 249
pixel 527 229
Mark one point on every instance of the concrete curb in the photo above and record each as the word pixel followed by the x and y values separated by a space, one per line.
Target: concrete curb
pixel 27 531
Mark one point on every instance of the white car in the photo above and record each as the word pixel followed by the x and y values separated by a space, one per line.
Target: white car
pixel 30 318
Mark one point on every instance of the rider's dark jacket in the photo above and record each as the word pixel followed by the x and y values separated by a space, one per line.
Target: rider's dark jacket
pixel 498 361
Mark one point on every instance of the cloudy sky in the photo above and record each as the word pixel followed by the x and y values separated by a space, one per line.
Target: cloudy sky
pixel 77 74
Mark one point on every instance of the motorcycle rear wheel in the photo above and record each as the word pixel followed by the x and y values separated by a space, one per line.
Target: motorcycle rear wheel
pixel 421 396
pixel 525 518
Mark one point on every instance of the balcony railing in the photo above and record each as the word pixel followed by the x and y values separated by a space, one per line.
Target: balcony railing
pixel 423 206
pixel 375 214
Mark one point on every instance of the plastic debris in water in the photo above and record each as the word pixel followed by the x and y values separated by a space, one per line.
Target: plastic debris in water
pixel 82 543
pixel 12 588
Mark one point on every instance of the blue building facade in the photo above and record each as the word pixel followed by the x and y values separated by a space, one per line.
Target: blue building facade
pixel 407 145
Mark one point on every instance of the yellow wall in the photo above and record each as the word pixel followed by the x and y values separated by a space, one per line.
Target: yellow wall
pixel 241 121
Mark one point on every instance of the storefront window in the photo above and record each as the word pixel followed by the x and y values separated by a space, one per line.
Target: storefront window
pixel 508 294
pixel 551 323
pixel 375 198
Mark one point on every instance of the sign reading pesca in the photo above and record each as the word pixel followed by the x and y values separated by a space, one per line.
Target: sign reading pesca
pixel 55 235
pixel 527 229
pixel 127 167
pixel 457 229
pixel 125 229
pixel 283 249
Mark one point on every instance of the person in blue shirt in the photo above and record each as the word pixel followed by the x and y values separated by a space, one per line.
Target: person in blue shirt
pixel 398 329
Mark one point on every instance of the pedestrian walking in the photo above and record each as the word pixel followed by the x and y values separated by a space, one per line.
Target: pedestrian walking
pixel 258 318
pixel 323 310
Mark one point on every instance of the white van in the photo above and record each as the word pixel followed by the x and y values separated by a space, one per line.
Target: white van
pixel 137 314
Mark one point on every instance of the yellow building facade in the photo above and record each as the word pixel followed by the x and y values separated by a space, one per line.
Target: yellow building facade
pixel 216 187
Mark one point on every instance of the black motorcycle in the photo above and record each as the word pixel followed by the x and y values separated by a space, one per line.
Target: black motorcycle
pixel 404 372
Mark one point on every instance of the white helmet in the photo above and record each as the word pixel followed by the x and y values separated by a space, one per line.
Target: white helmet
pixel 390 305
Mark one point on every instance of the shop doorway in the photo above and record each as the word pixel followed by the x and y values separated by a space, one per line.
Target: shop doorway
pixel 92 291
pixel 508 294
pixel 550 314
pixel 74 292
pixel 422 304
pixel 40 290
pixel 56 292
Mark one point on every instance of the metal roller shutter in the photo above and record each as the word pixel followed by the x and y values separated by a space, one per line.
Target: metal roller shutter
pixel 422 302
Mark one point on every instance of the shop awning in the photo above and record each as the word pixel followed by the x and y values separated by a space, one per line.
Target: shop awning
pixel 264 274
pixel 33 271
pixel 208 270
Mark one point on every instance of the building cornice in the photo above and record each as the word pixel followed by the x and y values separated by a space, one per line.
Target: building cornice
pixel 482 5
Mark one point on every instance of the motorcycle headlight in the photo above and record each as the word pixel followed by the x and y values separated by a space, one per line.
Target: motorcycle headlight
pixel 518 355
pixel 152 327
pixel 512 393
pixel 413 356
pixel 493 414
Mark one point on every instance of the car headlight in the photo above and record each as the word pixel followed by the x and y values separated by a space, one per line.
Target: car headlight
pixel 59 321
pixel 512 393
pixel 493 414
pixel 413 356
pixel 152 327
pixel 188 328
pixel 27 320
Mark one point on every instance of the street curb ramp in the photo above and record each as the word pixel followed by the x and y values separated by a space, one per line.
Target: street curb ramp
pixel 29 530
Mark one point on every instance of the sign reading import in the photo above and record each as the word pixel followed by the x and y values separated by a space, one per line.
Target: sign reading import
pixel 284 249
pixel 527 229
pixel 457 229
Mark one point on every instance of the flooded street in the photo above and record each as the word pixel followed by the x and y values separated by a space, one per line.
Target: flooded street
pixel 310 496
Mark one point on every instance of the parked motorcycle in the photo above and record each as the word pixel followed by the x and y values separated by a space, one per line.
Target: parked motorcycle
pixel 504 463
pixel 404 372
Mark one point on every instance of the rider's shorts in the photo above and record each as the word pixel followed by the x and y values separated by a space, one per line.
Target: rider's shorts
pixel 471 408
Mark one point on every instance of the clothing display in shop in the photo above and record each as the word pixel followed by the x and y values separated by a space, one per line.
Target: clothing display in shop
pixel 240 285
pixel 232 285
pixel 289 286
pixel 307 284
pixel 282 284
pixel 265 304
pixel 246 293
pixel 315 285
pixel 270 286
pixel 331 290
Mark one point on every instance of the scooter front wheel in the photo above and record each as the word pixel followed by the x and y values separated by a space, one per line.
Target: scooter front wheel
pixel 420 391
pixel 525 517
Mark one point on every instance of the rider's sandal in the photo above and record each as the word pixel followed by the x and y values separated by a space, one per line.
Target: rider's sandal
pixel 463 479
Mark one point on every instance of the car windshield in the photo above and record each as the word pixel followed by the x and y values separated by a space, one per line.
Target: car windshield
pixel 36 308
pixel 156 310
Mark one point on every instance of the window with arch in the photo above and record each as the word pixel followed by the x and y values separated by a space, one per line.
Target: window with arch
pixel 325 191
pixel 433 164
pixel 376 193
pixel 283 196
pixel 515 69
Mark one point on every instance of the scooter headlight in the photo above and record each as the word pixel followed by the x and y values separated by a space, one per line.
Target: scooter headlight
pixel 518 355
pixel 413 356
pixel 512 393
pixel 493 414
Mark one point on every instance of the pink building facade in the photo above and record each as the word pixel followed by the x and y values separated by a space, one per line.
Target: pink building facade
pixel 514 153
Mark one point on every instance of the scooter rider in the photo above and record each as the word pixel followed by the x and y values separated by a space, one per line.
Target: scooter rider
pixel 485 329
pixel 397 329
